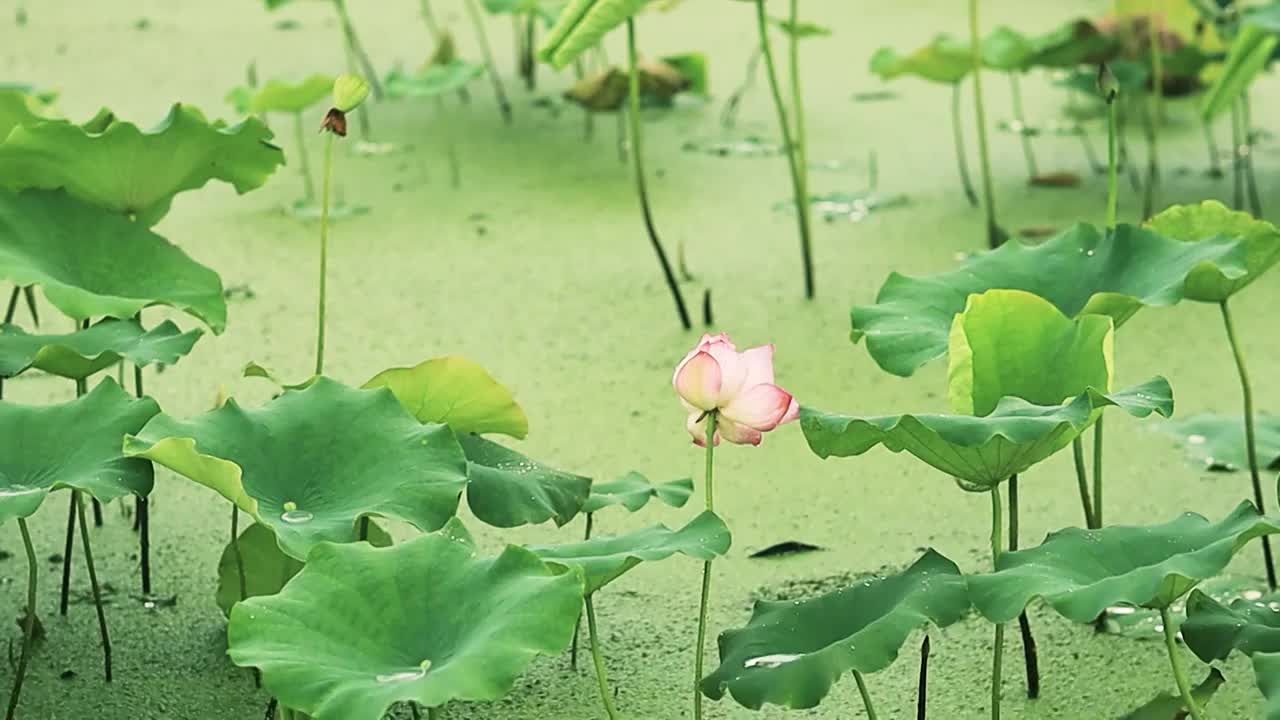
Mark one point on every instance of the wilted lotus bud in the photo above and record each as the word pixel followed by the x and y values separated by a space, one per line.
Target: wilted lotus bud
pixel 603 92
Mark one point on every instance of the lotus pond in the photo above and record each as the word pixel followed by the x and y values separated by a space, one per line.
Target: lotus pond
pixel 471 359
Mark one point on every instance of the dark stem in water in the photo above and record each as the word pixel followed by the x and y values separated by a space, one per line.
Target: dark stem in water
pixel 1211 144
pixel 1028 154
pixel 597 658
pixel 356 48
pixel 363 532
pixel 1237 160
pixel 962 162
pixel 13 304
pixel 142 508
pixel 997 649
pixel 1082 482
pixel 729 115
pixel 1153 121
pixel 637 162
pixel 922 694
pixel 529 63
pixel 801 150
pixel 1029 654
pixel 995 236
pixel 577 631
pixel 28 627
pixel 67 549
pixel 486 51
pixel 97 512
pixel 1246 122
pixel 93 584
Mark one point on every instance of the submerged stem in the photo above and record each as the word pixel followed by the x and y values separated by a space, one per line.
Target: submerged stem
pixel 1030 654
pixel 962 162
pixel 709 480
pixel 1156 112
pixel 1175 662
pixel 29 627
pixel 801 153
pixel 356 48
pixel 866 695
pixel 922 692
pixel 486 52
pixel 93 584
pixel 1028 154
pixel 637 162
pixel 602 678
pixel 994 234
pixel 997 650
pixel 1250 438
pixel 324 251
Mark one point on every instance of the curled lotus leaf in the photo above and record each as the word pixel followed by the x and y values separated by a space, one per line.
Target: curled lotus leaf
pixel 1211 221
pixel 582 25
pixel 506 489
pixel 633 491
pixel 455 391
pixel 1217 442
pixel 82 353
pixel 311 462
pixel 430 621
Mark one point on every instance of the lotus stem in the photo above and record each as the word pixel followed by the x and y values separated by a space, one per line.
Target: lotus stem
pixel 597 658
pixel 235 550
pixel 1175 662
pixel 491 68
pixel 356 49
pixel 1237 160
pixel 866 695
pixel 97 512
pixel 962 162
pixel 1097 472
pixel 1082 481
pixel 304 163
pixel 414 712
pixel 922 696
pixel 429 19
pixel 450 147
pixel 1028 154
pixel 324 251
pixel 712 417
pixel 142 504
pixel 1030 655
pixel 793 143
pixel 530 44
pixel 588 117
pixel 997 650
pixel 729 115
pixel 577 630
pixel 1246 122
pixel 12 309
pixel 1113 160
pixel 1156 113
pixel 29 627
pixel 1250 438
pixel 93 584
pixel 637 161
pixel 1211 144
pixel 995 236
pixel 29 292
pixel 67 550
pixel 1135 182
pixel 801 151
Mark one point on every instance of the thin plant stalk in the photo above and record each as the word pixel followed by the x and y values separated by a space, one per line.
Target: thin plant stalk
pixel 68 549
pixel 995 237
pixel 235 550
pixel 1029 653
pixel 29 292
pixel 29 627
pixel 962 162
pixel 142 506
pixel 597 658
pixel 1028 154
pixel 1175 663
pixel 93 584
pixel 997 650
pixel 1251 182
pixel 356 48
pixel 12 308
pixel 1250 436
pixel 304 163
pixel 1237 159
pixel 1157 113
pixel 486 52
pixel 1211 145
pixel 792 145
pixel 698 651
pixel 729 115
pixel 530 63
pixel 588 117
pixel 1082 481
pixel 922 693
pixel 866 695
pixel 97 512
pixel 324 251
pixel 1097 472
pixel 450 147
pixel 637 163
pixel 577 630
pixel 1113 161
pixel 801 150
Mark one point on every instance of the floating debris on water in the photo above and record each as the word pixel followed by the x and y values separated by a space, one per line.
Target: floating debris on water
pixel 875 96
pixel 1059 179
pixel 749 146
pixel 787 547
pixel 1018 128
pixel 1035 232
pixel 854 207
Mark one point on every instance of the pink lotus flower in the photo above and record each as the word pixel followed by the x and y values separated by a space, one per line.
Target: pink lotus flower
pixel 738 386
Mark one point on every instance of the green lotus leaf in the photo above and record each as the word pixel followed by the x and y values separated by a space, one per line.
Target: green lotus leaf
pixel 93 263
pixel 1080 271
pixel 1249 53
pixel 944 60
pixel 506 489
pixel 1167 706
pixel 138 172
pixel 266 568
pixel 791 653
pixel 800 29
pixel 75 445
pixel 281 96
pixel 583 24
pixel 606 558
pixel 985 451
pixel 433 80
pixel 1217 442
pixel 1011 343
pixel 17 107
pixel 1212 221
pixel 311 462
pixel 85 352
pixel 633 491
pixel 1131 79
pixel 428 621
pixel 1076 42
pixel 457 392
pixel 548 10
pixel 693 69
pixel 1006 49
pixel 1213 630
pixel 1266 671
pixel 1080 573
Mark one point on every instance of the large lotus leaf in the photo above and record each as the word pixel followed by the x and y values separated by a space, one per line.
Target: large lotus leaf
pixel 792 652
pixel 71 445
pixel 1266 671
pixel 633 491
pixel 1077 42
pixel 506 489
pixel 1250 52
pixel 1080 271
pixel 17 107
pixel 944 60
pixel 606 558
pixel 1080 573
pixel 138 172
pixel 266 568
pixel 985 451
pixel 1212 221
pixel 91 262
pixel 281 96
pixel 582 25
pixel 457 392
pixel 433 80
pixel 85 352
pixel 1217 442
pixel 1168 706
pixel 428 621
pixel 1011 343
pixel 1006 49
pixel 311 462
pixel 1213 630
